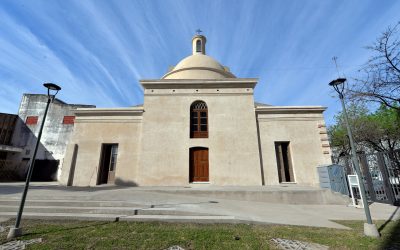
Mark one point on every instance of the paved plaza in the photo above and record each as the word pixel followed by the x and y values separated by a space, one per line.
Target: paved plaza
pixel 203 204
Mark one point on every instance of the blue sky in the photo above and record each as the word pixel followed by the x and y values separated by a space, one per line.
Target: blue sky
pixel 98 50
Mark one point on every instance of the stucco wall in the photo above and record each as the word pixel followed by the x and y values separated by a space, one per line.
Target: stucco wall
pixel 154 140
pixel 55 135
pixel 232 141
pixel 305 130
pixel 98 126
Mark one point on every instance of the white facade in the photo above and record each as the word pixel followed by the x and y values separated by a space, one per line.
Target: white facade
pixel 246 143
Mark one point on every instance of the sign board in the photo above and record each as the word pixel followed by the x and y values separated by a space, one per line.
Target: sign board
pixel 353 182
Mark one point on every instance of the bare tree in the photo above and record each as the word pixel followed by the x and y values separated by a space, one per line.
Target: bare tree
pixel 381 80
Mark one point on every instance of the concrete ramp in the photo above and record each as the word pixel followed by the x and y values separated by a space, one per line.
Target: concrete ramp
pixel 300 195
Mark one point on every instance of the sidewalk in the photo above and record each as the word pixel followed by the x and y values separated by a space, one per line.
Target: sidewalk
pixel 182 201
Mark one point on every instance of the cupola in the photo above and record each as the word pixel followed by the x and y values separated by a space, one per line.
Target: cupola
pixel 198 65
pixel 199 44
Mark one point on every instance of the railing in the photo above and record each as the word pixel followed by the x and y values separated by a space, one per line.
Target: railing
pixel 380 173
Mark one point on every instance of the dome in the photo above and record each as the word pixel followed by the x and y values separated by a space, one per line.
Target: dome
pixel 198 65
pixel 199 60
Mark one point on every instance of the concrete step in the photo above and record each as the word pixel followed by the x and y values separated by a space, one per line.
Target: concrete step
pixel 98 210
pixel 308 197
pixel 118 217
pixel 69 203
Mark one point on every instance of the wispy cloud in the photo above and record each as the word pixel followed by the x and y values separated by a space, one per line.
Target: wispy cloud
pixel 99 50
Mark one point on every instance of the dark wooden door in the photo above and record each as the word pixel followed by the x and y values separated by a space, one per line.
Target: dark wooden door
pixel 199 165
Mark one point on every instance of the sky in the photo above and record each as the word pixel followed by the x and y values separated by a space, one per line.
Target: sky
pixel 97 51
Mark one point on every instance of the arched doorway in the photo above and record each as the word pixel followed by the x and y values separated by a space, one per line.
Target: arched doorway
pixel 198 171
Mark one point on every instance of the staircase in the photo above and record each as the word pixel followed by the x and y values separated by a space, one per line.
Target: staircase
pixel 103 210
pixel 205 204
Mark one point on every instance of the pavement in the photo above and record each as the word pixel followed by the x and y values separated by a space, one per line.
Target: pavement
pixel 204 203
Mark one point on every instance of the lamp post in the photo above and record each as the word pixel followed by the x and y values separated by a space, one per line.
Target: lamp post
pixel 369 228
pixel 16 231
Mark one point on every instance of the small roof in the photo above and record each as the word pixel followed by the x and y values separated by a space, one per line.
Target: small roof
pixel 259 104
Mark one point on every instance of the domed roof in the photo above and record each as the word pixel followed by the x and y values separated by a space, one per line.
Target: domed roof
pixel 199 60
pixel 198 65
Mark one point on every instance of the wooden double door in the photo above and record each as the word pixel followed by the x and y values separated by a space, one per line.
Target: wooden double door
pixel 198 165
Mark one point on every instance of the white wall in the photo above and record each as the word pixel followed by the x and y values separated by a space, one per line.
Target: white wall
pixel 305 130
pixel 93 127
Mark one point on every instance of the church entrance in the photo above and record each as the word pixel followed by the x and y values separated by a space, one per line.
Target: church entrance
pixel 198 165
pixel 108 161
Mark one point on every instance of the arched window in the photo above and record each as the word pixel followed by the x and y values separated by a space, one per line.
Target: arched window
pixel 198 46
pixel 198 120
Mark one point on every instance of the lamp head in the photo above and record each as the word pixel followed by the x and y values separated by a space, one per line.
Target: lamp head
pixel 52 86
pixel 337 82
pixel 338 86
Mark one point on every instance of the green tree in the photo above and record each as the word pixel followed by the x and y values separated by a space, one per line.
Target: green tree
pixel 373 132
pixel 386 136
pixel 358 116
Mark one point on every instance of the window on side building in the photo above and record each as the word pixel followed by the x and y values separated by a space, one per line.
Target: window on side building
pixel 69 119
pixel 31 120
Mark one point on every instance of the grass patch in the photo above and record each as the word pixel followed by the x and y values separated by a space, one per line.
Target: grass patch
pixel 156 235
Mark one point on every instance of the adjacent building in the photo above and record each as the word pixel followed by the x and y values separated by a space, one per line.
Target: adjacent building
pixel 7 149
pixel 57 130
pixel 198 124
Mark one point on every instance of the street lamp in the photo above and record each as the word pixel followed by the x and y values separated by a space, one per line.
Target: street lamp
pixel 16 231
pixel 369 228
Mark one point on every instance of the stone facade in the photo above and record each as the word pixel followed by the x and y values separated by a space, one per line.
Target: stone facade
pixel 246 144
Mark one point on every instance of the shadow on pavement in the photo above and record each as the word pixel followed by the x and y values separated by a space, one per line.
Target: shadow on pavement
pixel 388 220
pixel 393 240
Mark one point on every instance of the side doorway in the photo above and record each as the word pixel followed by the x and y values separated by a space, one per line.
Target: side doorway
pixel 108 161
pixel 284 162
pixel 198 171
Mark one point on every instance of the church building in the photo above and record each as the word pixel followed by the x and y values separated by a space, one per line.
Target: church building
pixel 198 124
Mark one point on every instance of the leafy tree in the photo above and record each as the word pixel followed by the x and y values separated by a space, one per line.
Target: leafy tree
pixel 381 74
pixel 386 137
pixel 339 140
pixel 373 132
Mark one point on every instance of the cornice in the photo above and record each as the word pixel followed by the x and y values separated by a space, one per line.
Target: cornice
pixel 199 83
pixel 133 111
pixel 289 109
